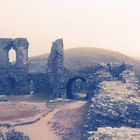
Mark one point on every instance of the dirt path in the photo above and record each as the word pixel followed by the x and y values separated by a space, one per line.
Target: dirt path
pixel 13 111
pixel 42 130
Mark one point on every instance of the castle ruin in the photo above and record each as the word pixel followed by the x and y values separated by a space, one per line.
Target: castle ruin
pixel 15 79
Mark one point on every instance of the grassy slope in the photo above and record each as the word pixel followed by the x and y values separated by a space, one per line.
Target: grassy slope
pixel 77 57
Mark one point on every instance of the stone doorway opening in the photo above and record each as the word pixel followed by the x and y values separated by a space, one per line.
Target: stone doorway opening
pixel 31 87
pixel 75 88
pixel 11 85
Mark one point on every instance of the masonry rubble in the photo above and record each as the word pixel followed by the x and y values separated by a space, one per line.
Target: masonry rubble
pixel 115 104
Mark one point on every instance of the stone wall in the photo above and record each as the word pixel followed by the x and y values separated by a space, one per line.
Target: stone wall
pixel 20 45
pixel 41 83
pixel 14 77
pixel 116 104
pixel 105 72
pixel 13 81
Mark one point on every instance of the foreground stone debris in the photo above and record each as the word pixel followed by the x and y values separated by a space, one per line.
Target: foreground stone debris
pixel 123 133
pixel 117 104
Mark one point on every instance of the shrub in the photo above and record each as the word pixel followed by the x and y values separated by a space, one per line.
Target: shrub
pixel 12 134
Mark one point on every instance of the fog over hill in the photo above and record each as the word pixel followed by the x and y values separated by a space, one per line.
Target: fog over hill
pixel 77 57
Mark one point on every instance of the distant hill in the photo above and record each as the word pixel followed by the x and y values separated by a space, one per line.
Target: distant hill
pixel 77 57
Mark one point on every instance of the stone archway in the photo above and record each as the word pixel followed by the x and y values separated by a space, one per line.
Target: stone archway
pixel 69 92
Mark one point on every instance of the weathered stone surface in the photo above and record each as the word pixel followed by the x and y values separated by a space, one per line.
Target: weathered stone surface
pixel 117 68
pixel 116 104
pixel 40 83
pixel 20 45
pixel 128 77
pixel 5 46
pixel 55 67
pixel 93 81
pixel 14 78
pixel 109 133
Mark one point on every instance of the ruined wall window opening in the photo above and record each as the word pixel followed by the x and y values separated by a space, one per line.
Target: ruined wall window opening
pixel 12 56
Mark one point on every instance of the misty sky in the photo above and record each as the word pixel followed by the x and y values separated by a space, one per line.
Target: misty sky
pixel 110 24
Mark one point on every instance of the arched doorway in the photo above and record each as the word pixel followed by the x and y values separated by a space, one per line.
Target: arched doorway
pixel 11 85
pixel 71 86
pixel 31 87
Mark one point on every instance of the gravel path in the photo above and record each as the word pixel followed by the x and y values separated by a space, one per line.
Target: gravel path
pixel 42 130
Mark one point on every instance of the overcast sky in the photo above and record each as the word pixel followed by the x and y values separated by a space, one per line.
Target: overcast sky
pixel 110 24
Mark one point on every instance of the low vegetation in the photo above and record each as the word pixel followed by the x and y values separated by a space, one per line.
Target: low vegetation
pixel 12 134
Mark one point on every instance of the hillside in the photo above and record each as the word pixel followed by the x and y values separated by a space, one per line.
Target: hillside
pixel 77 57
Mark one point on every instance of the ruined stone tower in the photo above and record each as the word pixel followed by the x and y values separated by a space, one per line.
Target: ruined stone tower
pixel 55 67
pixel 14 77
